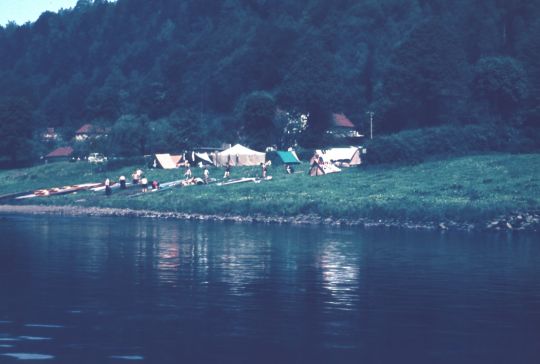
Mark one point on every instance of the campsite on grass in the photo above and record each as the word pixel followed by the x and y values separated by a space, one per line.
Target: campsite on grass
pixel 324 161
pixel 445 193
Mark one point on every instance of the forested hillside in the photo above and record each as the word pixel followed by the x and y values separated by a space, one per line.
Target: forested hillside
pixel 180 73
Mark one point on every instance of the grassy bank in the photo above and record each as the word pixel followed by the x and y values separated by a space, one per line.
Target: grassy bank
pixel 467 189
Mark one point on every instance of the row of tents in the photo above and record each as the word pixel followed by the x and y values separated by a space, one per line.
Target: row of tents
pixel 239 155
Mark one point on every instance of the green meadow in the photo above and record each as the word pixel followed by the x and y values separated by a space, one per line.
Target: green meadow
pixel 466 189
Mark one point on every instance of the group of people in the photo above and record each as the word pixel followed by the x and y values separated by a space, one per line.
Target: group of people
pixel 108 184
pixel 188 174
pixel 137 178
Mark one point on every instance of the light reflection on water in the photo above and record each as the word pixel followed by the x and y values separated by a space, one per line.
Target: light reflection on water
pixel 340 275
pixel 163 291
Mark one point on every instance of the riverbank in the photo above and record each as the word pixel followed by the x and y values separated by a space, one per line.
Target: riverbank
pixel 518 222
pixel 497 191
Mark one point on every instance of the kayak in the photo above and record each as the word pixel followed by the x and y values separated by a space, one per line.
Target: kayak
pixel 259 180
pixel 236 181
pixel 54 191
pixel 10 196
pixel 243 180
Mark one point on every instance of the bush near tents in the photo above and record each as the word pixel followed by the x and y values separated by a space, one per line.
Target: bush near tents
pixel 416 146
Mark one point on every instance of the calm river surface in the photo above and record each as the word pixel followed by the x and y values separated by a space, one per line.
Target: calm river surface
pixel 107 290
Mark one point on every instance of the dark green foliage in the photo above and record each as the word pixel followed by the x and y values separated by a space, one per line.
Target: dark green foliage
pixel 414 146
pixel 189 65
pixel 130 135
pixel 502 82
pixel 16 129
pixel 318 122
pixel 257 112
pixel 426 80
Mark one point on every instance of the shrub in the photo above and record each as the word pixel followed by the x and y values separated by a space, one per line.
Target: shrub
pixel 415 146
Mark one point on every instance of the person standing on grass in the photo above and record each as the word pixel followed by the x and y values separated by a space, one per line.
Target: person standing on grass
pixel 264 167
pixel 188 173
pixel 289 169
pixel 135 178
pixel 227 170
pixel 108 189
pixel 144 183
pixel 206 175
pixel 122 180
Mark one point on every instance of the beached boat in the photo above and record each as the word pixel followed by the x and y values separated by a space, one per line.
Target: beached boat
pixel 55 191
pixel 243 180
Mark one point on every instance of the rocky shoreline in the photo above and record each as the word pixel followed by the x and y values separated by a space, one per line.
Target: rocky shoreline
pixel 513 222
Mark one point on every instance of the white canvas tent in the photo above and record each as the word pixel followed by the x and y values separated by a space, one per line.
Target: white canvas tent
pixel 196 158
pixel 165 161
pixel 322 169
pixel 344 157
pixel 239 155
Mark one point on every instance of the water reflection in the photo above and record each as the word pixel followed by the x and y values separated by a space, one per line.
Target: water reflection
pixel 169 291
pixel 340 274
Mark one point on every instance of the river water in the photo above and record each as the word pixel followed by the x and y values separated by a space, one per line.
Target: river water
pixel 107 290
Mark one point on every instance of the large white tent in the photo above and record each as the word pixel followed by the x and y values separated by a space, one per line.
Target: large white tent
pixel 349 156
pixel 239 155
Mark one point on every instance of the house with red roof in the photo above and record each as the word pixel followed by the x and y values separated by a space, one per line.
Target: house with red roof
pixel 89 131
pixel 342 127
pixel 60 154
pixel 49 135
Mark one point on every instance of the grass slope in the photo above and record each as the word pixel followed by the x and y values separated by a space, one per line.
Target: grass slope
pixel 467 189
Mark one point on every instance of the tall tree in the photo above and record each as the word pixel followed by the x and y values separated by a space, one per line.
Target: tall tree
pixel 257 112
pixel 501 81
pixel 15 129
pixel 130 135
pixel 426 83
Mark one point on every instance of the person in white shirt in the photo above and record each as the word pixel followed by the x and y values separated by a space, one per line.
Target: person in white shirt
pixel 206 175
pixel 108 189
pixel 122 180
pixel 144 183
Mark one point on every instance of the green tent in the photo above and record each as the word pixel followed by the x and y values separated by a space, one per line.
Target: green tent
pixel 288 157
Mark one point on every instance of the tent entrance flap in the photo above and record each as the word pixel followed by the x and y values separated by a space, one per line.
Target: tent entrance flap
pixel 204 158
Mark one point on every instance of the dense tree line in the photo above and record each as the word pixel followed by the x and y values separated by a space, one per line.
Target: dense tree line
pixel 186 72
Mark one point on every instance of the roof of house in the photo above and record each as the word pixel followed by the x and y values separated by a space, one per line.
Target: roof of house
pixel 60 152
pixel 91 129
pixel 85 129
pixel 341 120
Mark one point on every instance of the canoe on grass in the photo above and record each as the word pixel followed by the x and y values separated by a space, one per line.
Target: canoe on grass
pixel 259 180
pixel 243 180
pixel 54 191
pixel 10 196
pixel 236 181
